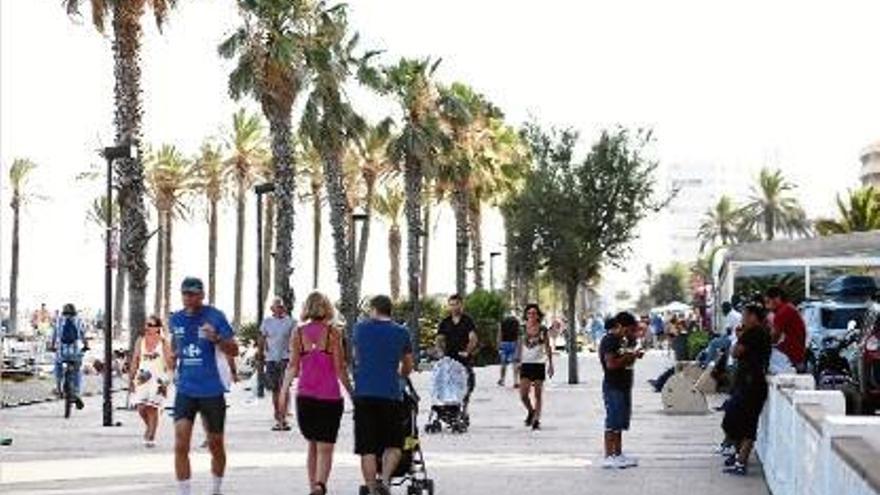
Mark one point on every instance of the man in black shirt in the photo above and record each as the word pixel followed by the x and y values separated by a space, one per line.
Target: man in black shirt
pixel 459 335
pixel 508 336
pixel 617 360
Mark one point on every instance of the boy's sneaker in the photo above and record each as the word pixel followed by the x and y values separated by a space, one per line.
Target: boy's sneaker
pixel 738 469
pixel 725 450
pixel 612 462
pixel 729 461
pixel 627 461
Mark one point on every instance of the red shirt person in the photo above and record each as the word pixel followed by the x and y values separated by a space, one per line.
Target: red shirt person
pixel 788 331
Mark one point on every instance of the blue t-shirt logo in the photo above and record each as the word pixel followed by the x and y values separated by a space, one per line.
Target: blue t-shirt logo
pixel 197 374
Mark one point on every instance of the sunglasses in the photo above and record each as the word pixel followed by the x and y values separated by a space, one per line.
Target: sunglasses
pixel 154 324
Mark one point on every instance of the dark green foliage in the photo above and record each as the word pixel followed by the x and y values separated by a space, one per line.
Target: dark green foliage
pixel 793 284
pixel 429 318
pixel 696 342
pixel 248 333
pixel 487 309
pixel 670 286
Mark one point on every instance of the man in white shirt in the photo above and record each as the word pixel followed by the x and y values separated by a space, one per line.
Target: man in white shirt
pixel 273 347
pixel 732 321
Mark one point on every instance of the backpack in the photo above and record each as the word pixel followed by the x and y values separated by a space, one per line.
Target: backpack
pixel 69 332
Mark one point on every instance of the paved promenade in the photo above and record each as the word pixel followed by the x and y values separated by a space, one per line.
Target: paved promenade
pixel 53 456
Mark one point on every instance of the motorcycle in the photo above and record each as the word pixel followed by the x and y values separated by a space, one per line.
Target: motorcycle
pixel 831 368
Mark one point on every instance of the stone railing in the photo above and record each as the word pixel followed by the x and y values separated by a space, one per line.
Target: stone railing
pixel 808 446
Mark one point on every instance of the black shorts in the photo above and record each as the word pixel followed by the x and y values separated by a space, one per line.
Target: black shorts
pixel 212 409
pixel 274 374
pixel 378 425
pixel 534 372
pixel 319 419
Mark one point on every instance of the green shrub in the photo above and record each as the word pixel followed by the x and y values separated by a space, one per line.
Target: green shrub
pixel 432 313
pixel 248 333
pixel 487 309
pixel 697 341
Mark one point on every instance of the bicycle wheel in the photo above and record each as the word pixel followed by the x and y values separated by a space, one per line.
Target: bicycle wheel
pixel 68 390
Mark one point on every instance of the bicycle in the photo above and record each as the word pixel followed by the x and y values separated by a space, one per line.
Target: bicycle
pixel 69 371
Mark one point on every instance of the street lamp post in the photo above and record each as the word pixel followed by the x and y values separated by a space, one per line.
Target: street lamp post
pixel 260 190
pixel 110 154
pixel 492 257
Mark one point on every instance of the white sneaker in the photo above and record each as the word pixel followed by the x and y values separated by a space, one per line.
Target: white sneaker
pixel 627 461
pixel 612 462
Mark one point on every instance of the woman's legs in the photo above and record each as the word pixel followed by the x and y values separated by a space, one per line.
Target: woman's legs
pixel 324 464
pixel 312 463
pixel 524 387
pixel 539 399
pixel 153 413
pixel 144 414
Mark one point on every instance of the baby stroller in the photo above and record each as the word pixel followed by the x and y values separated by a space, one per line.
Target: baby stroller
pixel 411 468
pixel 449 393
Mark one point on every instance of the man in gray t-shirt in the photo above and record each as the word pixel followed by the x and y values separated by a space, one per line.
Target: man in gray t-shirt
pixel 274 349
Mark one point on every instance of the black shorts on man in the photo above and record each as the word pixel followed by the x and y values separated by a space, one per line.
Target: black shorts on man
pixel 212 410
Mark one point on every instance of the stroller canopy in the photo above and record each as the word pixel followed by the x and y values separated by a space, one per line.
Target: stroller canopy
pixel 450 382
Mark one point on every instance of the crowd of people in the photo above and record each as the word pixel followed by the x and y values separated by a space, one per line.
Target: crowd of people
pixel 309 358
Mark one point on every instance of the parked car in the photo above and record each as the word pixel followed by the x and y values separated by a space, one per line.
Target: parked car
pixel 827 322
pixel 865 362
pixel 859 287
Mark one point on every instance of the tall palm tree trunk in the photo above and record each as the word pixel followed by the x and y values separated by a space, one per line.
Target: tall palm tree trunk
pixel 316 234
pixel 394 242
pixel 364 241
pixel 412 206
pixel 212 251
pixel 127 103
pixel 476 231
pixel 284 171
pixel 426 247
pixel 166 271
pixel 239 254
pixel 268 239
pixel 342 225
pixel 460 208
pixel 159 265
pixel 13 275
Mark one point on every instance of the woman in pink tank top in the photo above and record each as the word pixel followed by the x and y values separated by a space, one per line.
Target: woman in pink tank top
pixel 316 358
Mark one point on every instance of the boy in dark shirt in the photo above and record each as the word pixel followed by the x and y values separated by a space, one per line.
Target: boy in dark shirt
pixel 617 360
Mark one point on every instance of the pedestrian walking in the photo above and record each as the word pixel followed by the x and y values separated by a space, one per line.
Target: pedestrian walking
pixel 383 356
pixel 273 350
pixel 459 335
pixel 618 357
pixel 749 391
pixel 318 361
pixel 507 340
pixel 535 364
pixel 150 371
pixel 203 342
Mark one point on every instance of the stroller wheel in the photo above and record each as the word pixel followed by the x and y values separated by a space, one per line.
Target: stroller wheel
pixel 429 487
pixel 413 490
pixel 364 490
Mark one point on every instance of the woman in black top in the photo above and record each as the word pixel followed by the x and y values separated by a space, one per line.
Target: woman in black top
pixel 749 393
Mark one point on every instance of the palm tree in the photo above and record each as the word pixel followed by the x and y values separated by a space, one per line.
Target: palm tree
pixel 172 176
pixel 331 125
pixel 212 180
pixel 18 175
pixel 270 50
pixel 390 206
pixel 860 212
pixel 721 223
pixel 772 210
pixel 98 213
pixel 247 156
pixel 312 187
pixel 126 45
pixel 416 149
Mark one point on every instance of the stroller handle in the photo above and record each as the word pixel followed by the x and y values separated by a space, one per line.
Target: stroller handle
pixel 409 388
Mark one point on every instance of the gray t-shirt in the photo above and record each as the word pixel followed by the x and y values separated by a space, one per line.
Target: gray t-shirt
pixel 277 334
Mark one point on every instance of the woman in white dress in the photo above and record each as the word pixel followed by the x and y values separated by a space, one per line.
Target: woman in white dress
pixel 151 367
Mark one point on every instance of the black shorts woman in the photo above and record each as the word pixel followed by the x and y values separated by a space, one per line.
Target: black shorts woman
pixel 535 364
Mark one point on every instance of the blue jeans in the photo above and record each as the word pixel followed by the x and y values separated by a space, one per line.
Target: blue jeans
pixel 618 407
pixel 716 345
pixel 77 374
pixel 507 352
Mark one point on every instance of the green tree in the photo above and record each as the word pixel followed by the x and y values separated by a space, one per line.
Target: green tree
pixel 721 224
pixel 390 206
pixel 247 155
pixel 126 45
pixel 270 50
pixel 172 178
pixel 416 148
pixel 670 285
pixel 18 176
pixel 585 213
pixel 859 212
pixel 212 181
pixel 772 209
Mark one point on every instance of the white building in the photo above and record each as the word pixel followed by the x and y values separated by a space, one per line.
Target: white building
pixel 870 173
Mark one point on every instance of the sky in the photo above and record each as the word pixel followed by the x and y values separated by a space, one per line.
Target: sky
pixel 740 84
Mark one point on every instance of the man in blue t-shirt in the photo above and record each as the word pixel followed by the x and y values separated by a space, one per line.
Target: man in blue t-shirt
pixel 202 338
pixel 383 354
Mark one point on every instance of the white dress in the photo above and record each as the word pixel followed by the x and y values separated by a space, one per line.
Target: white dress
pixel 151 380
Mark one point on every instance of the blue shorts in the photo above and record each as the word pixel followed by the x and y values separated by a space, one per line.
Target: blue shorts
pixel 507 352
pixel 618 407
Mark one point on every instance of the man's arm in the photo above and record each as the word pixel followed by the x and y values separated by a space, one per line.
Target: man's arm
pixel 407 363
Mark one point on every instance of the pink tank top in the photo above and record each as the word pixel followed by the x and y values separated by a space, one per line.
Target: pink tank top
pixel 317 375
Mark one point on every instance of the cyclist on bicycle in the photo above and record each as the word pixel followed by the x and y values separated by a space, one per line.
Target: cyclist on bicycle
pixel 69 344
